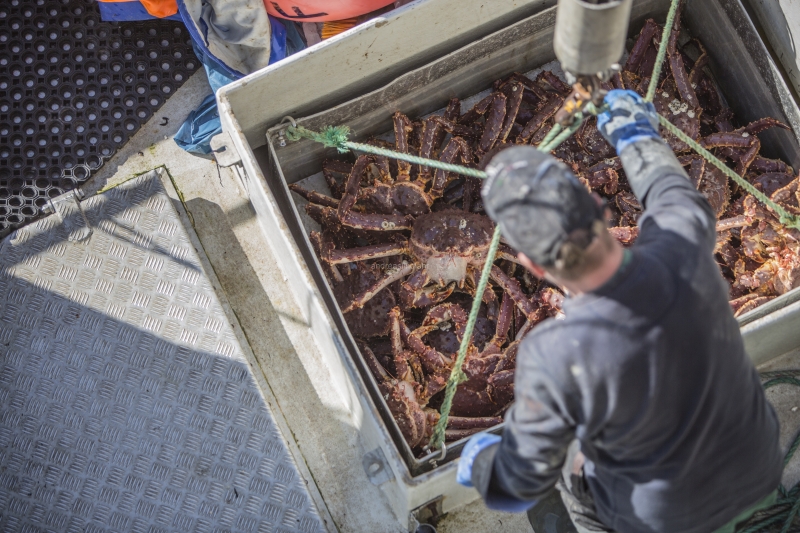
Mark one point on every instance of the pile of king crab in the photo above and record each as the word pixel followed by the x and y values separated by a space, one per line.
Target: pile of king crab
pixel 403 245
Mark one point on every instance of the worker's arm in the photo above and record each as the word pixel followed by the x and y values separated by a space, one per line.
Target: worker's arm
pixel 656 177
pixel 525 464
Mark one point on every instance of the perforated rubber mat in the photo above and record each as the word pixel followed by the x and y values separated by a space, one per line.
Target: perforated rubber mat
pixel 126 402
pixel 74 89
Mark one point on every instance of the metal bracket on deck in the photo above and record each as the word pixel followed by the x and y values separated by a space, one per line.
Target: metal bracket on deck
pixel 376 467
pixel 423 518
pixel 68 208
pixel 224 151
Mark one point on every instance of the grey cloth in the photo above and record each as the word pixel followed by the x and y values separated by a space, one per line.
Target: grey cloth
pixel 538 203
pixel 649 373
pixel 576 495
pixel 235 31
pixel 647 160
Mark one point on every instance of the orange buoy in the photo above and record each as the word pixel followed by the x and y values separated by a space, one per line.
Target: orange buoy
pixel 322 10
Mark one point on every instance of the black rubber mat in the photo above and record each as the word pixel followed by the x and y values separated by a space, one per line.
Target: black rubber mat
pixel 73 90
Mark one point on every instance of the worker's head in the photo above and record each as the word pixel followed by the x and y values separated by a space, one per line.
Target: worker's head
pixel 556 225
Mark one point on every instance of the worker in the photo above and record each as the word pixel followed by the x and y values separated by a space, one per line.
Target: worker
pixel 639 403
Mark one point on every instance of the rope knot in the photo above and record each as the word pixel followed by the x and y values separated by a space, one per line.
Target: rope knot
pixel 330 136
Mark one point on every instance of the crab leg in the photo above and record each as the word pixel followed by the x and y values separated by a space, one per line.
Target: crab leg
pixel 723 119
pixel 517 91
pixel 762 164
pixel 494 122
pixel 456 146
pixel 763 124
pixel 512 288
pixel 395 330
pixel 353 183
pixel 542 115
pixel 676 64
pixel 745 303
pixel 505 252
pixel 606 178
pixel 501 387
pixel 364 253
pixel 450 117
pixel 642 44
pixel 524 116
pixel 407 365
pixel 697 167
pixel 516 77
pixel 555 82
pixel 734 140
pixel 382 164
pixel 503 324
pixel 333 270
pixel 366 221
pixel 489 297
pixel 738 221
pixel 748 156
pixel 469 422
pixel 314 196
pixel 330 167
pixel 446 312
pixel 378 286
pixel 431 127
pixel 402 128
pixel 649 59
pixel 322 215
pixel 380 373
pixel 432 359
pixel 451 435
pixel 467 130
pixel 697 68
pixel 477 110
pixel 697 170
pixel 415 291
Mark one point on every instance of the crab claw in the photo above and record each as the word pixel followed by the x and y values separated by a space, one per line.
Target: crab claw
pixel 417 291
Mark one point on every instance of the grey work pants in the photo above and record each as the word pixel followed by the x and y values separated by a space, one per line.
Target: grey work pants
pixel 571 507
pixel 576 495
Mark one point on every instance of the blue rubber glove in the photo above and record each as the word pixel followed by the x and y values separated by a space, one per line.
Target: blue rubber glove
pixel 475 445
pixel 628 119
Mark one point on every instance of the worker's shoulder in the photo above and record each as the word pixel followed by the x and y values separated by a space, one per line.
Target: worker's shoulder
pixel 580 336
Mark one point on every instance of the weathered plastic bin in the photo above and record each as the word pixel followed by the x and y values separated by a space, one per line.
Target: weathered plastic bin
pixel 752 86
pixel 780 24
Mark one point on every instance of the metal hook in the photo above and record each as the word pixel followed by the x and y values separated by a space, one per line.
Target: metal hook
pixel 282 133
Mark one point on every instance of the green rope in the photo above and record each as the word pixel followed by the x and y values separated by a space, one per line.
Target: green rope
pixel 433 163
pixel 457 376
pixel 784 216
pixel 336 137
pixel 662 51
pixel 330 137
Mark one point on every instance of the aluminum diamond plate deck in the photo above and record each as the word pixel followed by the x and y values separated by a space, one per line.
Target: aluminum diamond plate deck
pixel 126 402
